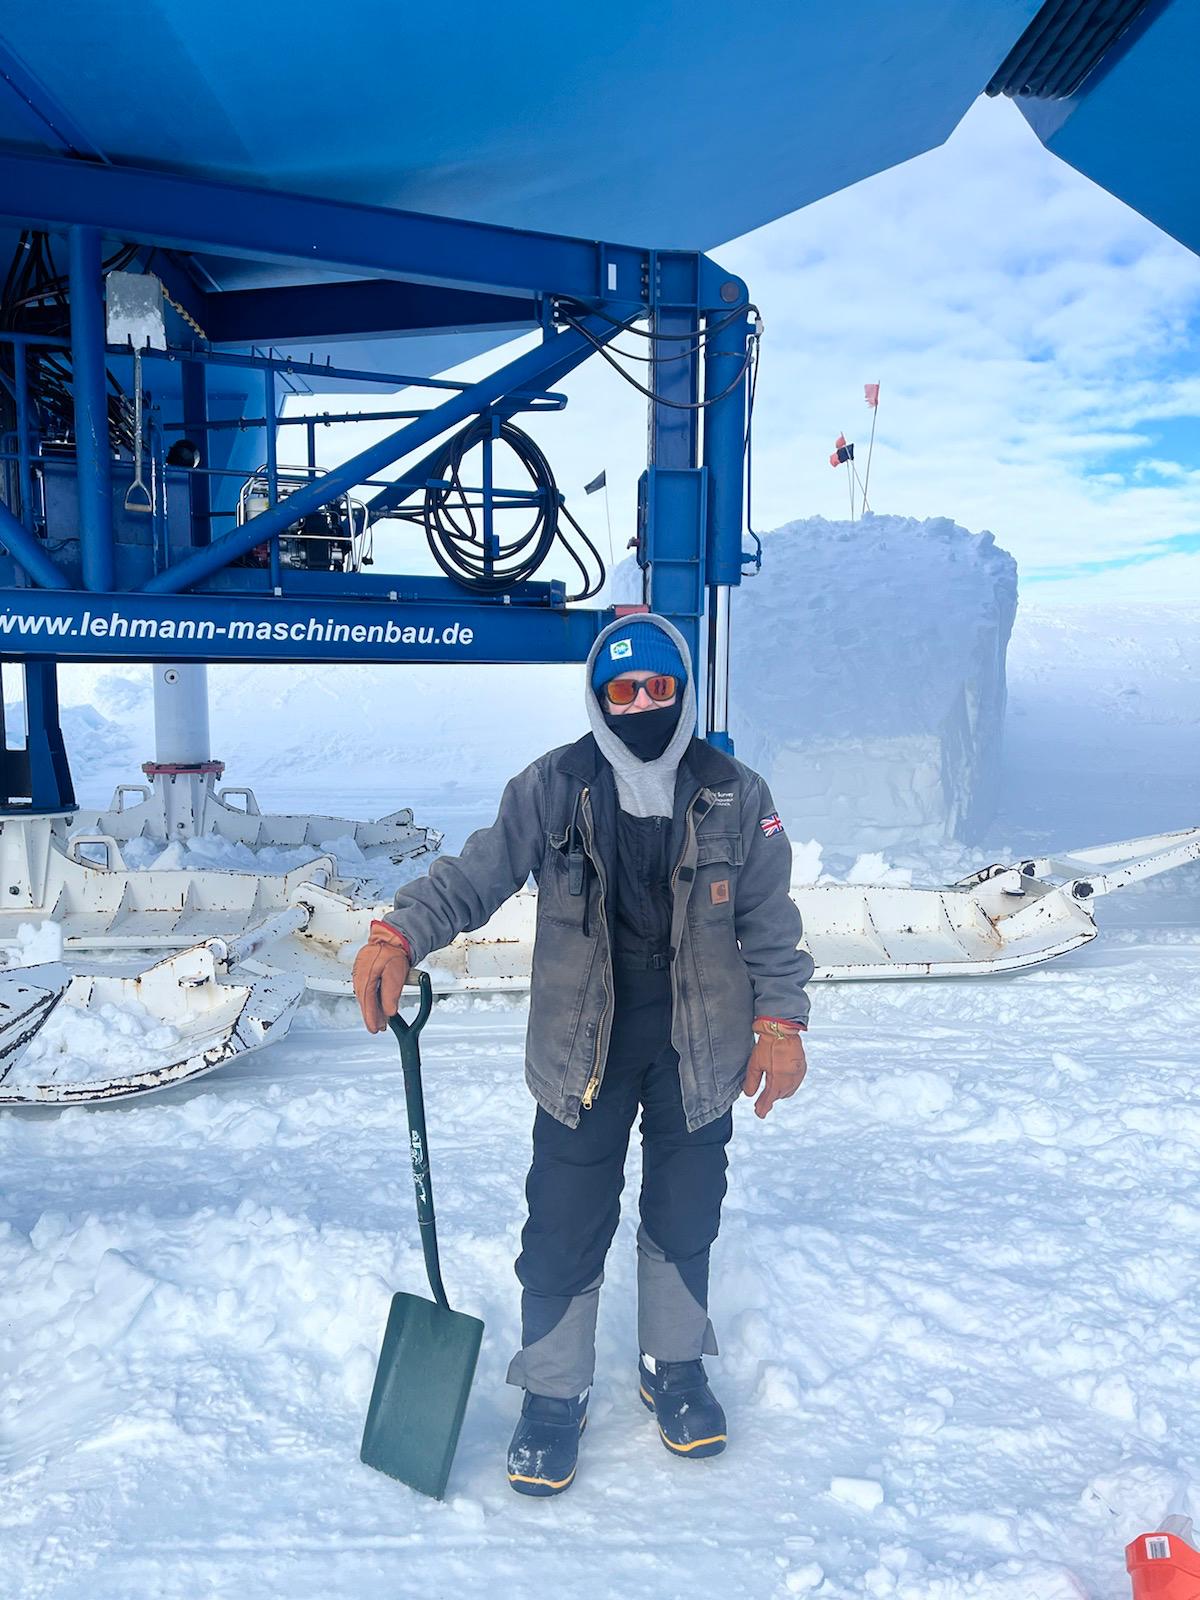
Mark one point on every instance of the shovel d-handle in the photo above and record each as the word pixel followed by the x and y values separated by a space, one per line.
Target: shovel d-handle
pixel 414 1097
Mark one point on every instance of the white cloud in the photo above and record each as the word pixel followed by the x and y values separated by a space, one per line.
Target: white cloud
pixel 1023 324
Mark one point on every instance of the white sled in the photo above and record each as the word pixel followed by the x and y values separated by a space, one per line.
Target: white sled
pixel 998 919
pixel 211 1015
pixel 301 929
pixel 181 802
pixel 214 1017
pixel 187 805
pixel 102 905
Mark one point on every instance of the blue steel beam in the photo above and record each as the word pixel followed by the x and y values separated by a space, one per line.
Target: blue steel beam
pixel 323 312
pixel 726 385
pixel 293 365
pixel 78 626
pixel 674 424
pixel 416 479
pixel 259 225
pixel 93 454
pixel 725 361
pixel 29 552
pixel 545 365
pixel 301 583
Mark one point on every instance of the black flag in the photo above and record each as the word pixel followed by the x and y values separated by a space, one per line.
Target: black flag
pixel 599 482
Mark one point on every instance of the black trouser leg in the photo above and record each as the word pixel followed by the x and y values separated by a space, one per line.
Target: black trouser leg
pixel 683 1185
pixel 574 1189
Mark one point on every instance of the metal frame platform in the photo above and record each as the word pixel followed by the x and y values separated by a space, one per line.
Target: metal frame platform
pixel 115 599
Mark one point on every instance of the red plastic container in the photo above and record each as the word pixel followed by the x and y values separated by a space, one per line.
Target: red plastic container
pixel 1163 1567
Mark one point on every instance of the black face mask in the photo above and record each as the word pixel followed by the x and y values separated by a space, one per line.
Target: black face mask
pixel 646 734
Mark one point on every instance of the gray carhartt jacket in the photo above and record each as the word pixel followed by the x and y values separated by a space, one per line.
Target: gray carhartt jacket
pixel 734 926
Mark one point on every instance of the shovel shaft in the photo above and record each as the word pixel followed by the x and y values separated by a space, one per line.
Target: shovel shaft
pixel 414 1099
pixel 419 1150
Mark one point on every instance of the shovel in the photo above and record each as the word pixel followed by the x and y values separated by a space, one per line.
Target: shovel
pixel 429 1351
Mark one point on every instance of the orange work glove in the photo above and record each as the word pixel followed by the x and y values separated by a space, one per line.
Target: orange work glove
pixel 778 1056
pixel 381 970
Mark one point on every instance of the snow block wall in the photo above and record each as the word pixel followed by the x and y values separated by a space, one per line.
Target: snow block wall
pixel 868 678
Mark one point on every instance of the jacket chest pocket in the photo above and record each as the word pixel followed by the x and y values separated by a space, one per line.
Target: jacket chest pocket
pixel 564 884
pixel 718 857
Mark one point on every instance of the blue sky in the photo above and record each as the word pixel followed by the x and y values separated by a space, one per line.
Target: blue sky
pixel 1037 344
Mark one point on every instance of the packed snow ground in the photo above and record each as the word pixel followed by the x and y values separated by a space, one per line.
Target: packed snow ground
pixel 956 1285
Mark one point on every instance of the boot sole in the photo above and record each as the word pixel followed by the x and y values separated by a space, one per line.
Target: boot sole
pixel 698 1449
pixel 540 1488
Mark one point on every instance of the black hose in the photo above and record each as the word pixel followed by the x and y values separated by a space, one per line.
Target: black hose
pixel 455 537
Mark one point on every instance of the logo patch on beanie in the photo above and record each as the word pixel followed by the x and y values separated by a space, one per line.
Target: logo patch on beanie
pixel 620 649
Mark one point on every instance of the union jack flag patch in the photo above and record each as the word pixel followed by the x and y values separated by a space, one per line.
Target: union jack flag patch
pixel 771 824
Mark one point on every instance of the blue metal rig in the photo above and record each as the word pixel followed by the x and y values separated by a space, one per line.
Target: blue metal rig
pixel 307 196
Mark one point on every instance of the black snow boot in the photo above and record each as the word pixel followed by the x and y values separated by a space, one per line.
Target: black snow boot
pixel 545 1447
pixel 689 1415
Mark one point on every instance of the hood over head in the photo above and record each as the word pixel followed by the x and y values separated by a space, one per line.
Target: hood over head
pixel 645 788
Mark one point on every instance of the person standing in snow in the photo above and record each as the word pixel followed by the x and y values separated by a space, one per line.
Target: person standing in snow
pixel 666 974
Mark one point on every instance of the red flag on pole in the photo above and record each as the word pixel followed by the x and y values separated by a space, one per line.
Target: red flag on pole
pixel 842 452
pixel 871 393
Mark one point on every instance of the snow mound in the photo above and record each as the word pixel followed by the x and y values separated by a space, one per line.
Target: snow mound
pixel 378 876
pixel 36 942
pixel 85 1046
pixel 867 678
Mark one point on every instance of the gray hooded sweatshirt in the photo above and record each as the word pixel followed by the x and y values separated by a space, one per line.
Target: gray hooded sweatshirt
pixel 644 788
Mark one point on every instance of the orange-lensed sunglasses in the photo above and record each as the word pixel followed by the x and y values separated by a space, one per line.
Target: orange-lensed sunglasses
pixel 624 691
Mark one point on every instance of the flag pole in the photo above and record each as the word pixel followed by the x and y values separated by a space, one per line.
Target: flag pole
pixel 850 480
pixel 612 557
pixel 871 444
pixel 862 488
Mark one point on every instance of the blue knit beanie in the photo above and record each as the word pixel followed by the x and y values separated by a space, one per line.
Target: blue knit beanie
pixel 640 647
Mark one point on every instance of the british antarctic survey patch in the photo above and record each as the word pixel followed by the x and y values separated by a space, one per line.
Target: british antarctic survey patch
pixel 620 648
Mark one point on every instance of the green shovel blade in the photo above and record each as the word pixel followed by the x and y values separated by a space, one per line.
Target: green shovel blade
pixel 421 1386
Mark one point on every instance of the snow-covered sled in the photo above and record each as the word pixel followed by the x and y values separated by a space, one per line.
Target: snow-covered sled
pixel 188 805
pixel 999 918
pixel 174 1020
pixel 271 936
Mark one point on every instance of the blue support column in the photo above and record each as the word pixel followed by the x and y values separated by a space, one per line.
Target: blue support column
pixel 50 783
pixel 29 552
pixel 675 493
pixel 725 388
pixel 18 535
pixel 93 457
pixel 21 395
pixel 36 776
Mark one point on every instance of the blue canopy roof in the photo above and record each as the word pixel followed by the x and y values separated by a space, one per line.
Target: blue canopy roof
pixel 677 125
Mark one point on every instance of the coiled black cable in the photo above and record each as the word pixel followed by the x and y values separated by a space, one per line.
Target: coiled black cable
pixel 455 535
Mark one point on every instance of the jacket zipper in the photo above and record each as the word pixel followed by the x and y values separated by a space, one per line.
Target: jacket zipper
pixel 593 1088
pixel 688 833
pixel 573 834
